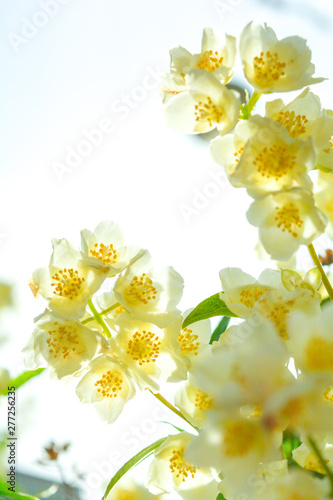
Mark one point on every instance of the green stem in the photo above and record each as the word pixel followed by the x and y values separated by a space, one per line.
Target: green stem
pixel 102 313
pixel 172 408
pixel 321 459
pixel 99 318
pixel 324 278
pixel 246 109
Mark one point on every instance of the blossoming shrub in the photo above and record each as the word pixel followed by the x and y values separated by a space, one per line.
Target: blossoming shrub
pixel 259 430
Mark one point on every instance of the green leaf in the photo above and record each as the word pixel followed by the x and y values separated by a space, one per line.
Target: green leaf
pixel 208 308
pixel 220 497
pixel 291 441
pixel 132 463
pixel 5 493
pixel 221 328
pixel 22 379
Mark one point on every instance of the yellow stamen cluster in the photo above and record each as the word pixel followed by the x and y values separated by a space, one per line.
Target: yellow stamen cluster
pixel 295 124
pixel 250 294
pixel 187 341
pixel 144 347
pixel 105 253
pixel 63 341
pixel 208 111
pixel 210 61
pixel 268 69
pixel 278 312
pixel 238 154
pixel 203 401
pixel 67 284
pixel 239 437
pixel 319 354
pixel 179 466
pixel 141 289
pixel 274 162
pixel 110 384
pixel 288 218
pixel 328 150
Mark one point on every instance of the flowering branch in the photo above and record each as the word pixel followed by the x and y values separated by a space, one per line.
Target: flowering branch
pixel 99 318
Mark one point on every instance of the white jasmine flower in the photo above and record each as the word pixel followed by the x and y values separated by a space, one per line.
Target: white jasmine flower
pixel 321 131
pixel 286 220
pixel 170 470
pixel 148 351
pixel 67 283
pixel 105 249
pixel 193 339
pixel 272 160
pixel 193 402
pixel 150 296
pixel 207 104
pixel 311 342
pixel 272 65
pixel 217 57
pixel 107 384
pixel 66 346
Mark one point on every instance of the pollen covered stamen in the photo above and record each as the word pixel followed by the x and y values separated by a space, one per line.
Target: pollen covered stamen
pixel 238 154
pixel 203 401
pixel 210 61
pixel 141 289
pixel 268 69
pixel 144 347
pixel 67 284
pixel 110 384
pixel 288 219
pixel 274 162
pixel 295 124
pixel 208 111
pixel 328 150
pixel 105 253
pixel 187 341
pixel 179 466
pixel 63 341
pixel 250 294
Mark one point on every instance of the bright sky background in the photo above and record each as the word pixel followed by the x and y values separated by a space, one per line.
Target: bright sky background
pixel 89 64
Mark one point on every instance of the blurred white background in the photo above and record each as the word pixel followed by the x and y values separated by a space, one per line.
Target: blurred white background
pixel 71 67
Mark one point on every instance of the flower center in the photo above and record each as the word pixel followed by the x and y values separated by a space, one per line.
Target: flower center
pixel 250 294
pixel 63 341
pixel 105 253
pixel 179 466
pixel 319 354
pixel 203 401
pixel 288 218
pixel 144 347
pixel 187 342
pixel 268 69
pixel 210 61
pixel 239 437
pixel 328 150
pixel 274 162
pixel 67 284
pixel 295 124
pixel 206 110
pixel 277 312
pixel 141 289
pixel 110 384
